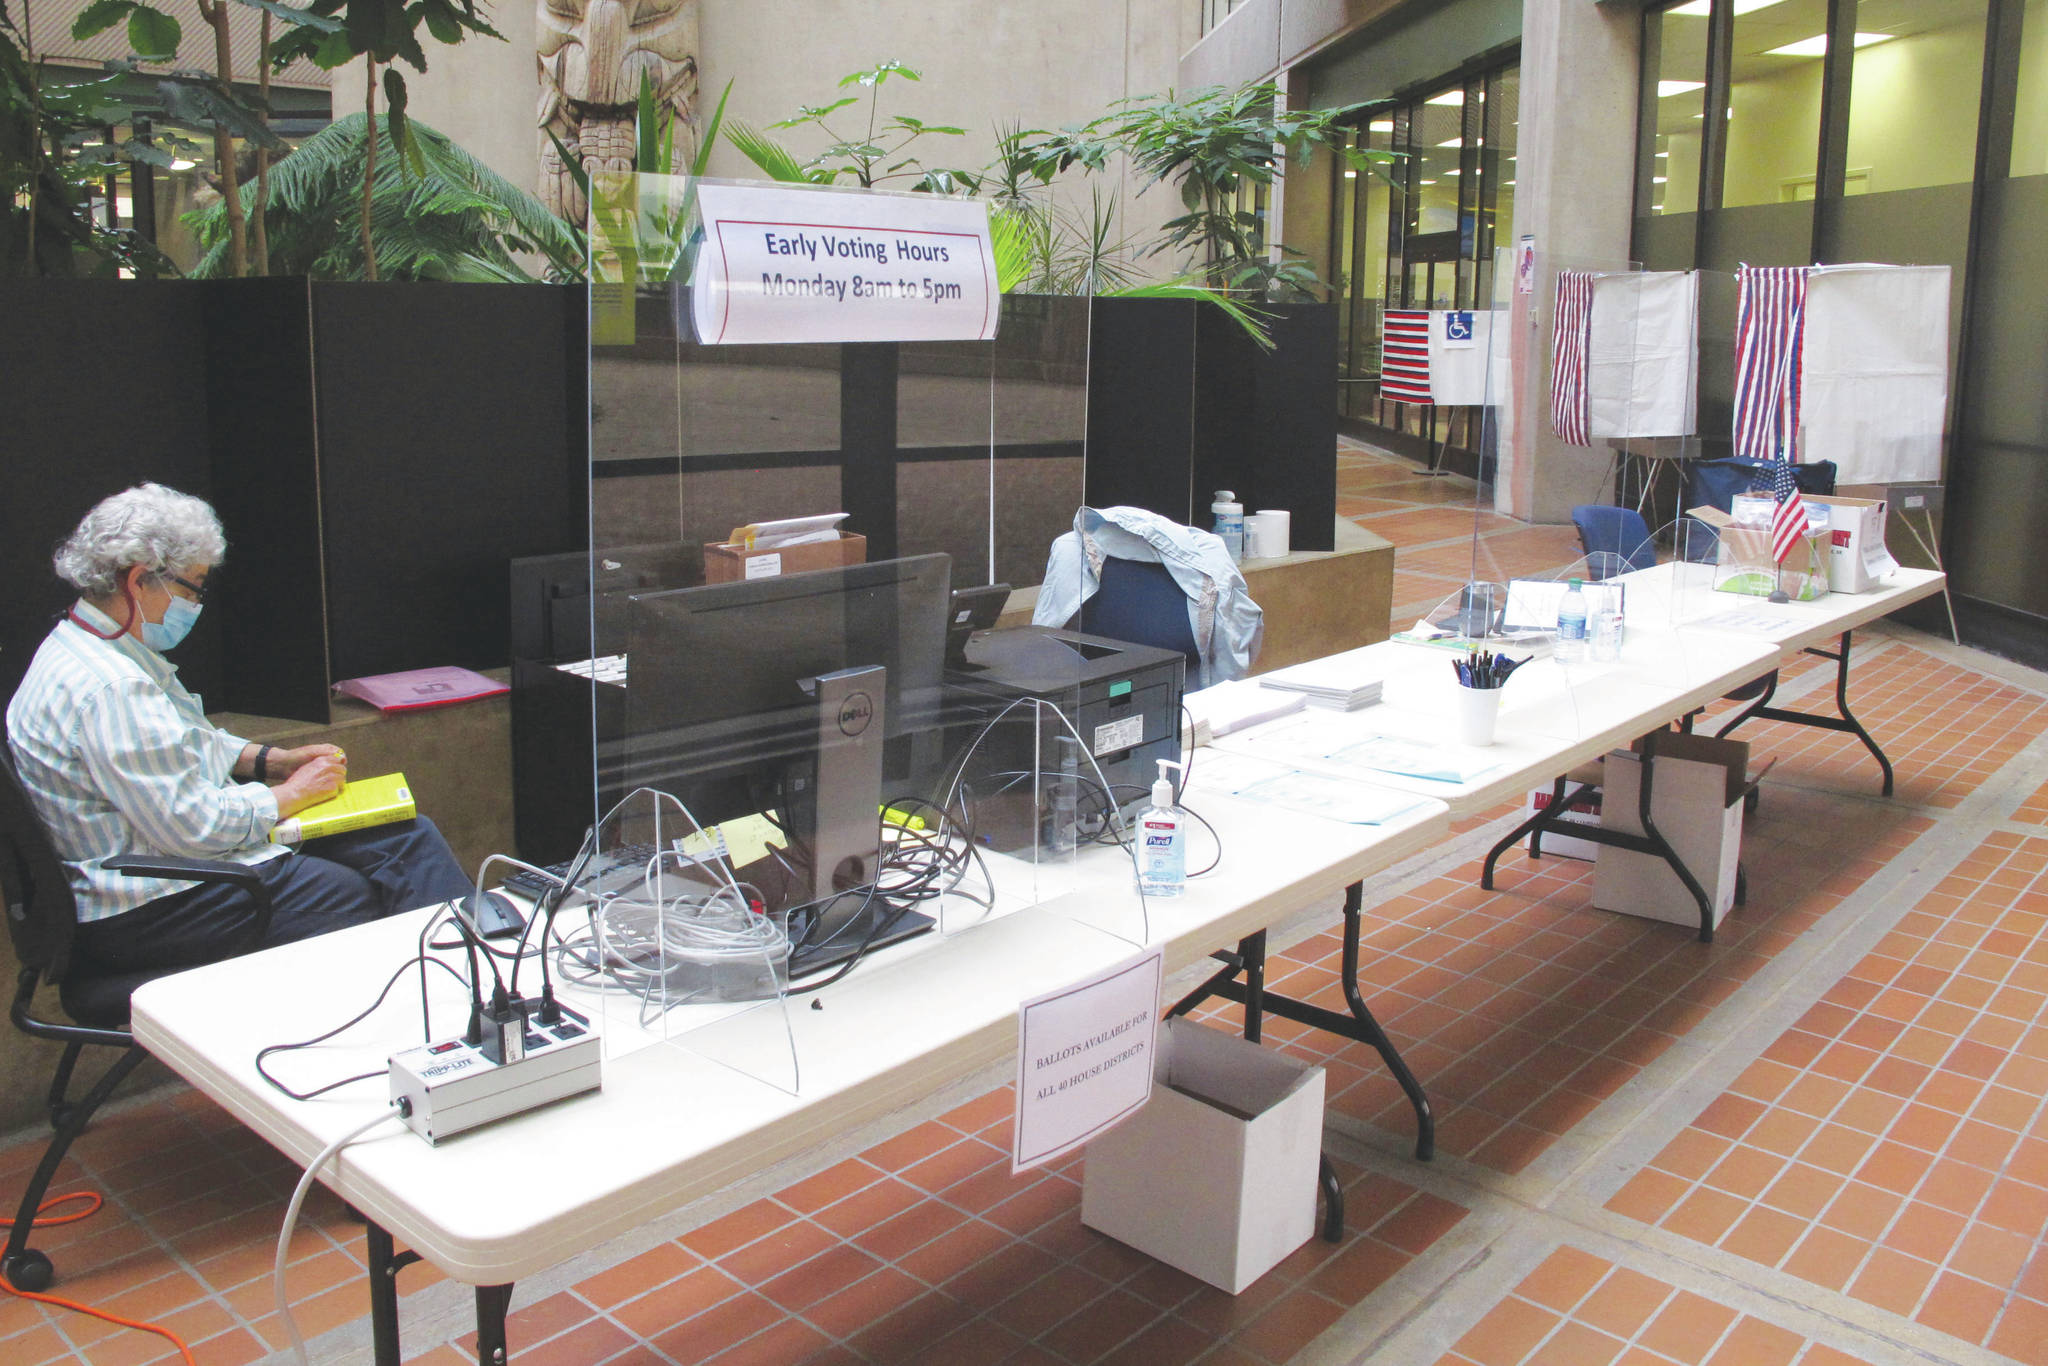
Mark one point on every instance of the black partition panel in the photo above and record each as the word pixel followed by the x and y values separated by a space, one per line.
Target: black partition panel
pixel 102 385
pixel 264 452
pixel 1141 406
pixel 451 443
pixel 1266 420
pixel 1181 403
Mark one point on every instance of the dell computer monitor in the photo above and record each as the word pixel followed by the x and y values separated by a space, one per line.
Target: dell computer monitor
pixel 723 708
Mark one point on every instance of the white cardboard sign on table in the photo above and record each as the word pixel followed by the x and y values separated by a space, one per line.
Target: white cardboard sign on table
pixel 789 265
pixel 1084 1058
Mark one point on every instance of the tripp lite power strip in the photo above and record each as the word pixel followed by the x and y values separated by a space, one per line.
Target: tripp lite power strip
pixel 452 1086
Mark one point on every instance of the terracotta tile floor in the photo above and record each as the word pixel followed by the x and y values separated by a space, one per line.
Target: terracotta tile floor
pixel 1821 1139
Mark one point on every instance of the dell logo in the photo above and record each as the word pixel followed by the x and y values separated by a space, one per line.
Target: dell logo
pixel 855 712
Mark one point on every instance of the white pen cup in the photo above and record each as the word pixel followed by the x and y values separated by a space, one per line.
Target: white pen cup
pixel 1478 713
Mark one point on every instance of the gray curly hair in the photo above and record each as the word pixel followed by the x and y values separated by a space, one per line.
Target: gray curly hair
pixel 158 528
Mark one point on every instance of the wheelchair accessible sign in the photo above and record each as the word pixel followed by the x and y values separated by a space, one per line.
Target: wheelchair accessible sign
pixel 797 265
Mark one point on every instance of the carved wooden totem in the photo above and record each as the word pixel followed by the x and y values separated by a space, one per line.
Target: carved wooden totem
pixel 592 54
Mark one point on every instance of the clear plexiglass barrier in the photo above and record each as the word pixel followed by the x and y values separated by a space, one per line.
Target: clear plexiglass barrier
pixel 800 733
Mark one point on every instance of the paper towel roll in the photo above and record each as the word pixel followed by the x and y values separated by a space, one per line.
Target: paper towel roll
pixel 1269 532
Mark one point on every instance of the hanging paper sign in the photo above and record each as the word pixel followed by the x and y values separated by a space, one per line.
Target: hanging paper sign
pixel 784 265
pixel 1084 1058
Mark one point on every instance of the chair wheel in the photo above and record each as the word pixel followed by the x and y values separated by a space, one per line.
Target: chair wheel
pixel 1752 801
pixel 28 1270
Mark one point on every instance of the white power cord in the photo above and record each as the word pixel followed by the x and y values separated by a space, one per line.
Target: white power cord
pixel 291 1219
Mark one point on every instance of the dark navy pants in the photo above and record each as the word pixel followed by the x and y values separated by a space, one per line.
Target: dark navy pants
pixel 342 880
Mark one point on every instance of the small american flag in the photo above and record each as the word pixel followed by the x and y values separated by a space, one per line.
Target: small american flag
pixel 1788 522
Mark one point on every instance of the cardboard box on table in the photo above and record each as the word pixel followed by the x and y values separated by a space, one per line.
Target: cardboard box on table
pixel 1857 557
pixel 728 561
pixel 1696 802
pixel 1220 1183
pixel 1747 566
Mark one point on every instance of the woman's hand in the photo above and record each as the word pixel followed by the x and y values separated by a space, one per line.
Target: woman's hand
pixel 283 763
pixel 315 779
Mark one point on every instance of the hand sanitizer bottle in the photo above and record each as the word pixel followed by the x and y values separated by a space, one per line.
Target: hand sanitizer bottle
pixel 1162 840
pixel 1229 514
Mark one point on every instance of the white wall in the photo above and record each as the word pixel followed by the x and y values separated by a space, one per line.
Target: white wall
pixel 480 92
pixel 1773 134
pixel 2030 124
pixel 1043 64
pixel 1913 108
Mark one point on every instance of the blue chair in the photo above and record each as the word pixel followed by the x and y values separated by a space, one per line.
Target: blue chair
pixel 1141 603
pixel 1620 532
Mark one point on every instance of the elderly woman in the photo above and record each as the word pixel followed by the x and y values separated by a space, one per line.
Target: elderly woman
pixel 118 758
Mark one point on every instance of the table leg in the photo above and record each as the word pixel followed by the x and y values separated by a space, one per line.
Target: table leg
pixel 491 1303
pixel 1651 841
pixel 1845 722
pixel 1333 1201
pixel 385 1264
pixel 1359 1025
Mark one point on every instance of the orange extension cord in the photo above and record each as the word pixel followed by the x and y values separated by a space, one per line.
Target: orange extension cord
pixel 73 1305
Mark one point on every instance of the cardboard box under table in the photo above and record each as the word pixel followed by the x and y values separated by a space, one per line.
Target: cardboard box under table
pixel 1216 1175
pixel 1696 800
pixel 728 561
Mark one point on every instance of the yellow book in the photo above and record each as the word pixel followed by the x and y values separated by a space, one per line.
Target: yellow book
pixel 360 804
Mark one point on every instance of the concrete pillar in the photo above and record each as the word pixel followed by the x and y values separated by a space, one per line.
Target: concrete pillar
pixel 1574 186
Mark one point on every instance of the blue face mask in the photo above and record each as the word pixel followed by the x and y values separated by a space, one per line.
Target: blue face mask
pixel 179 615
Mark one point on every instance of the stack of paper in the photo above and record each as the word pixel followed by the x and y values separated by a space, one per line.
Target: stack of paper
pixel 1232 706
pixel 1341 682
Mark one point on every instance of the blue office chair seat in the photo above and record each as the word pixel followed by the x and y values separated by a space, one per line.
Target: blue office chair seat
pixel 1619 532
pixel 1142 603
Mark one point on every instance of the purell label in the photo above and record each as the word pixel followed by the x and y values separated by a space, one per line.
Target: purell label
pixel 1159 841
pixel 1159 825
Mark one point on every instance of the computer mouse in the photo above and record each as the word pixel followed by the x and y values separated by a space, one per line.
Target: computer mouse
pixel 494 916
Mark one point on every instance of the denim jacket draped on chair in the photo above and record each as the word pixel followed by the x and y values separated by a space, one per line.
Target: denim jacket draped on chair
pixel 1227 624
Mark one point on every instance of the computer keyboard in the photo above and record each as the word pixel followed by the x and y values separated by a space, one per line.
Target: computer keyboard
pixel 535 886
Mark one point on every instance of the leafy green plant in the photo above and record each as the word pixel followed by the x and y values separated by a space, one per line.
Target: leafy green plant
pixel 879 154
pixel 197 97
pixel 45 163
pixel 1211 145
pixel 437 214
pixel 331 33
pixel 639 215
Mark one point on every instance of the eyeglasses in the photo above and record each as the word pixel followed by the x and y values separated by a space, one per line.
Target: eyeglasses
pixel 197 590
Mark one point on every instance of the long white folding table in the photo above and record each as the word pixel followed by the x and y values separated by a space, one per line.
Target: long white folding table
pixel 1681 654
pixel 685 1115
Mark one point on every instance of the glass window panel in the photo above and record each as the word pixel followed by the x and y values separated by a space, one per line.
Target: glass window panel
pixel 1679 38
pixel 1774 103
pixel 2030 119
pixel 1912 102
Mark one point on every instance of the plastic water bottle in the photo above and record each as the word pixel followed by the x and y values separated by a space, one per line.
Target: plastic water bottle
pixel 1571 626
pixel 1607 629
pixel 1229 514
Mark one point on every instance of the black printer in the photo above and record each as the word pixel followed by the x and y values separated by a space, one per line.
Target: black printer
pixel 1123 701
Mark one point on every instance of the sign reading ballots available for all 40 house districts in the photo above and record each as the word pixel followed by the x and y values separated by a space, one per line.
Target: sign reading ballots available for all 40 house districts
pixel 1084 1058
pixel 783 265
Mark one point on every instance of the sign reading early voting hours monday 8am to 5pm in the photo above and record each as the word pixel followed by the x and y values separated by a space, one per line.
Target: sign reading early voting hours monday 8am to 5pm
pixel 789 265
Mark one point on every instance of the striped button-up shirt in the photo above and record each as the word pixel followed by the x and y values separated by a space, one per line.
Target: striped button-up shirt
pixel 119 758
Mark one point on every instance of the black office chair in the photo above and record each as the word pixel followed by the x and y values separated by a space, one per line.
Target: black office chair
pixel 41 920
